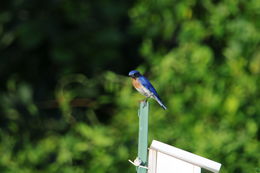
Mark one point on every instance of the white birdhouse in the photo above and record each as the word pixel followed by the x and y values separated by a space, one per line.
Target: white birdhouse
pixel 164 158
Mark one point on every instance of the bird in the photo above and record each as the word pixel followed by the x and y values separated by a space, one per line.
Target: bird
pixel 143 86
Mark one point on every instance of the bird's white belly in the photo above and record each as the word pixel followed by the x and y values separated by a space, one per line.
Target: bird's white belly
pixel 144 91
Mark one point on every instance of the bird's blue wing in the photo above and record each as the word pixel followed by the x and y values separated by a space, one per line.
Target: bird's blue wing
pixel 145 82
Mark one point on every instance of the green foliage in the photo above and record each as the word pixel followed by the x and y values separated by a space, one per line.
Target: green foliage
pixel 66 108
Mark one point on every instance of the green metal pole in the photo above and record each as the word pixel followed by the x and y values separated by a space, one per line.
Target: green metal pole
pixel 143 135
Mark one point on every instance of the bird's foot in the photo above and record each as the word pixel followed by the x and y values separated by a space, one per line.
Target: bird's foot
pixel 145 101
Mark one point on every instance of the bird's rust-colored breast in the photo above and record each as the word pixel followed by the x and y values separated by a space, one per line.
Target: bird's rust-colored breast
pixel 135 83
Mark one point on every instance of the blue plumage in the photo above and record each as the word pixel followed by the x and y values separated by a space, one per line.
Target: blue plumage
pixel 146 83
pixel 143 85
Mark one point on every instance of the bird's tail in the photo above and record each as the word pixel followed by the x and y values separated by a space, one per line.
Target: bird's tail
pixel 160 103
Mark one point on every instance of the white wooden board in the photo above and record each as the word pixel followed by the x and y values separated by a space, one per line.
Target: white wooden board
pixel 164 158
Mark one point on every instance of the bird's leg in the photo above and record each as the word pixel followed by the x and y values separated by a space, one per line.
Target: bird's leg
pixel 145 101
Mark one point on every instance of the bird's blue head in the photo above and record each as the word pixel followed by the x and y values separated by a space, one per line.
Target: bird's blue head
pixel 134 74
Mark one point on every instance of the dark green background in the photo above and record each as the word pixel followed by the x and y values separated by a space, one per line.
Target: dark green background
pixel 68 106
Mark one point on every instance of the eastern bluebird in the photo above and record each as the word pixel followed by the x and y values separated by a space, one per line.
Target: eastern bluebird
pixel 143 85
